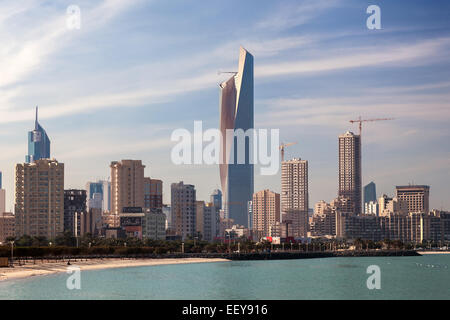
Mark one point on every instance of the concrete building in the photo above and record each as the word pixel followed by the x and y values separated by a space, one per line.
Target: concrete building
pixel 211 222
pixel 132 221
pixel 295 195
pixel 199 216
pixel 7 226
pixel 39 198
pixel 127 185
pixel 236 114
pixel 91 222
pixel 266 211
pixel 371 207
pixel 154 226
pixel 350 170
pixel 183 206
pixel 153 193
pixel 387 206
pixel 323 221
pixel 74 209
pixel 417 197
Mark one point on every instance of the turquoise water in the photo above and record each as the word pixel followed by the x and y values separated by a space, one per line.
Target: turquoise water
pixel 426 277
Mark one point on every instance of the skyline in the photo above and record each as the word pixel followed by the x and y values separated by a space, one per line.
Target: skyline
pixel 309 83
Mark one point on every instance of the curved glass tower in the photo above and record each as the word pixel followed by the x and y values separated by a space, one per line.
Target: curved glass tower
pixel 38 143
pixel 236 112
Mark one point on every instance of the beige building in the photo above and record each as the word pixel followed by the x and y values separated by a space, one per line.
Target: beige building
pixel 387 206
pixel 417 198
pixel 323 221
pixel 266 211
pixel 39 198
pixel 153 193
pixel 183 206
pixel 350 170
pixel 127 185
pixel 2 200
pixel 7 223
pixel 199 216
pixel 294 196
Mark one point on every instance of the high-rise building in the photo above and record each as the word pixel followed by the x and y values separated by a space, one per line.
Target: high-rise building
pixel 370 193
pixel 99 195
pixel 236 114
pixel 39 198
pixel 127 185
pixel 266 211
pixel 74 209
pixel 38 143
pixel 153 193
pixel 199 216
pixel 294 196
pixel 417 197
pixel 183 209
pixel 211 222
pixel 350 169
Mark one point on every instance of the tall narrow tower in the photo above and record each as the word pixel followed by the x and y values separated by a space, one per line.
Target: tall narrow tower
pixel 236 115
pixel 38 143
pixel 350 170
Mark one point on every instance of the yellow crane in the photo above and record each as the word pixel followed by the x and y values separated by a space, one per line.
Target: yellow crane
pixel 360 121
pixel 283 146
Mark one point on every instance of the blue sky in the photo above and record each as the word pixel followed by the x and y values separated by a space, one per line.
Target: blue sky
pixel 137 70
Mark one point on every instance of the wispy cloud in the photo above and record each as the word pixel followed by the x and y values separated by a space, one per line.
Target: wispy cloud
pixel 289 16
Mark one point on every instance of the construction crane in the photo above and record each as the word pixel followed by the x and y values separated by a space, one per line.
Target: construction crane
pixel 283 146
pixel 360 121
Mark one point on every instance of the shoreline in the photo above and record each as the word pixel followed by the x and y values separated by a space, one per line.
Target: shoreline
pixel 432 252
pixel 41 269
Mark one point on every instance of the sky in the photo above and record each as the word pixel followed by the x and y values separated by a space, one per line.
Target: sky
pixel 136 70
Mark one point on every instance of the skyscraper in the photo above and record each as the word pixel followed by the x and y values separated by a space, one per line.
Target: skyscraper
pixel 370 193
pixel 350 170
pixel 39 199
pixel 236 112
pixel 294 195
pixel 99 195
pixel 38 143
pixel 183 202
pixel 127 185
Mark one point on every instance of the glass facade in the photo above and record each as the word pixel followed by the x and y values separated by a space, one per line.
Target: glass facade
pixel 236 112
pixel 38 143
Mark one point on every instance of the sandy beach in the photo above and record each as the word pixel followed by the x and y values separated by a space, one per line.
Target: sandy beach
pixel 432 252
pixel 40 269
